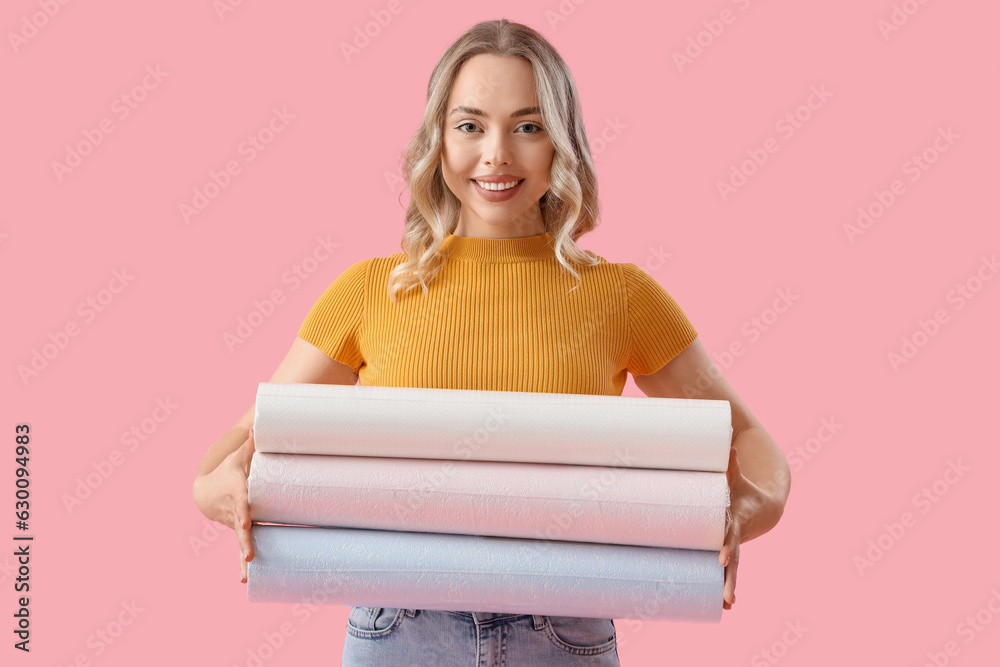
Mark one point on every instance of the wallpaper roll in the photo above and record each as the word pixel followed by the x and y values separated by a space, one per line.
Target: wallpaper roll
pixel 661 508
pixel 411 570
pixel 465 424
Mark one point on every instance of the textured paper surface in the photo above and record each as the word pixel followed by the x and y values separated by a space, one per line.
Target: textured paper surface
pixel 663 508
pixel 532 427
pixel 484 574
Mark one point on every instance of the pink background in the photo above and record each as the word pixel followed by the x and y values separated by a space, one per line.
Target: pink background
pixel 670 135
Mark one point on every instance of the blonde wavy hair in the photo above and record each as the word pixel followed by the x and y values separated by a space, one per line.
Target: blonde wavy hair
pixel 569 209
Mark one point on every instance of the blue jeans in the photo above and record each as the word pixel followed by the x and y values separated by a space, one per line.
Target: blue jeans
pixel 381 637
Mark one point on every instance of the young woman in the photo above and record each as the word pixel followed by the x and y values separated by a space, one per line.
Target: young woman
pixel 502 186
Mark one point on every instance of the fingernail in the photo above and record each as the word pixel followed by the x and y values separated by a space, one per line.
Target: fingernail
pixel 244 554
pixel 727 561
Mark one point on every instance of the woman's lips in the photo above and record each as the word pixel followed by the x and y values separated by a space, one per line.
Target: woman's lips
pixel 498 195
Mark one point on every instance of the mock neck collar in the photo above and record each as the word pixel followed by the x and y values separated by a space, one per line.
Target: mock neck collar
pixel 499 251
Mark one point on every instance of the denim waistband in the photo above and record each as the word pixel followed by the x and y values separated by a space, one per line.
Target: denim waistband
pixel 481 617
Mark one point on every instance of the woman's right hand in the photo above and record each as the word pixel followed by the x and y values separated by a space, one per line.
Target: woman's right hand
pixel 221 495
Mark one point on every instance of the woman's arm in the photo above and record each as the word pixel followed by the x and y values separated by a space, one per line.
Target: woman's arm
pixel 304 363
pixel 759 477
pixel 220 484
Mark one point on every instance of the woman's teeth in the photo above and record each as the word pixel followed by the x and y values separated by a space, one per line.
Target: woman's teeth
pixel 497 186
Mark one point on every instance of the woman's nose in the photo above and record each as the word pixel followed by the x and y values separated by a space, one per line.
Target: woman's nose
pixel 495 150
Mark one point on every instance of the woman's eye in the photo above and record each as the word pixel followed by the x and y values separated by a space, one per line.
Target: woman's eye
pixel 460 128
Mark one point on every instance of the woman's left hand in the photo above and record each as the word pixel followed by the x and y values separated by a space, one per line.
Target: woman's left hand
pixel 745 498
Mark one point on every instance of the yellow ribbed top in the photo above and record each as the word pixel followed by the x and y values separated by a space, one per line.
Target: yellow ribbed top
pixel 500 316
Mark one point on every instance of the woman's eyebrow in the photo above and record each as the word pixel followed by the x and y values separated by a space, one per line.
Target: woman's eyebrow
pixel 473 111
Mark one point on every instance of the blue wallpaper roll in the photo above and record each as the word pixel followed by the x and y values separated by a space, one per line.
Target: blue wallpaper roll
pixel 359 567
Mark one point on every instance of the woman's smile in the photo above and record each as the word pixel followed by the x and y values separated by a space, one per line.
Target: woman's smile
pixel 498 191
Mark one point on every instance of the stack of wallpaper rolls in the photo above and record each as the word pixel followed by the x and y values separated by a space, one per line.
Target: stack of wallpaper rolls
pixel 489 501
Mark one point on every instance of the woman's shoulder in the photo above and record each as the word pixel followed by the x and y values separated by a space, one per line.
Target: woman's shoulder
pixel 629 270
pixel 630 276
pixel 377 262
pixel 604 266
pixel 386 262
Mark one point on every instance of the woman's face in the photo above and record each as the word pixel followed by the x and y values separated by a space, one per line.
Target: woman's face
pixel 493 127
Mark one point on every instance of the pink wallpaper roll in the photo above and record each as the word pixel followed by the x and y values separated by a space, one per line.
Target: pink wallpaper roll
pixel 662 508
pixel 461 424
pixel 376 568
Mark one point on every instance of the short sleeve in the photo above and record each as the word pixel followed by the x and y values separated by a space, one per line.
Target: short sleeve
pixel 333 323
pixel 658 328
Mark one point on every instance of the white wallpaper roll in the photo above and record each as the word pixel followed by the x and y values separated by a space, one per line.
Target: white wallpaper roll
pixel 463 424
pixel 662 508
pixel 376 568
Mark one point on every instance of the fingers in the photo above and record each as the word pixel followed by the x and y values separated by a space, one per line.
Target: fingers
pixel 729 558
pixel 246 550
pixel 729 555
pixel 731 539
pixel 241 520
pixel 242 524
pixel 729 587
